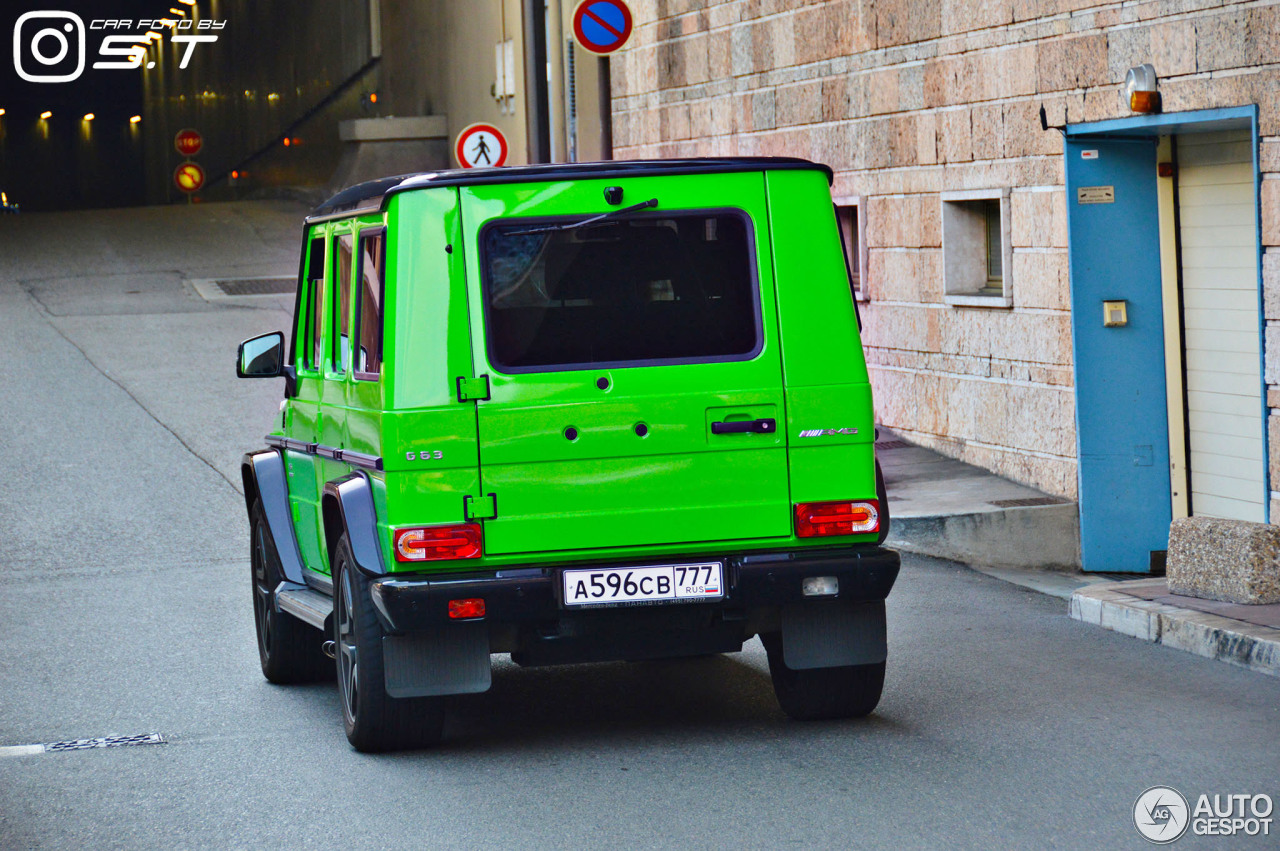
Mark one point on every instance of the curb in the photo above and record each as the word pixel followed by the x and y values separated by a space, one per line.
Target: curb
pixel 1040 537
pixel 1212 636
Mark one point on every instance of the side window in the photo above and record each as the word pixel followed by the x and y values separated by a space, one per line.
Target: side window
pixel 313 306
pixel 341 294
pixel 370 271
pixel 852 230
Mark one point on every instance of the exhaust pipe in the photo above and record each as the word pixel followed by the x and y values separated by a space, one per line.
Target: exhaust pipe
pixel 327 649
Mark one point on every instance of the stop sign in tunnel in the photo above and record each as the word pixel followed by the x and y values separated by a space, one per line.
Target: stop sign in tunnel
pixel 188 142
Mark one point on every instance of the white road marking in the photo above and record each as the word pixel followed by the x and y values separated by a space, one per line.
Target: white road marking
pixel 20 750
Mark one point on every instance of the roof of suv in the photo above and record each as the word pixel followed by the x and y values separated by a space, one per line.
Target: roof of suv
pixel 369 196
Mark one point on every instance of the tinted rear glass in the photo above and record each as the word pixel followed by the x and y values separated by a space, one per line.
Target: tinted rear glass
pixel 646 289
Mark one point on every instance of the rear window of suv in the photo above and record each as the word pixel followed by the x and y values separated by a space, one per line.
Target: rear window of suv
pixel 656 288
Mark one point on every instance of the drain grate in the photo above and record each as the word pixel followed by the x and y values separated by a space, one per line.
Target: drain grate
pixel 104 742
pixel 1028 502
pixel 256 286
pixel 893 444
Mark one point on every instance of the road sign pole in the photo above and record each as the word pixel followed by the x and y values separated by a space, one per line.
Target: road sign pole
pixel 603 27
pixel 606 110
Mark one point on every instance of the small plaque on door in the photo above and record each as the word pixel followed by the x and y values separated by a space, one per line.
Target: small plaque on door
pixel 1096 195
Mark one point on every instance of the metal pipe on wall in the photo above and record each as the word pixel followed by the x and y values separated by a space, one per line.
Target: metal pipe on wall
pixel 535 77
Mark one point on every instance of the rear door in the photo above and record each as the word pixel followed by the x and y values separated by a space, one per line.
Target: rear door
pixel 634 371
pixel 303 410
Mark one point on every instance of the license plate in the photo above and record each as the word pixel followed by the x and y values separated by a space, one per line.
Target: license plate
pixel 614 586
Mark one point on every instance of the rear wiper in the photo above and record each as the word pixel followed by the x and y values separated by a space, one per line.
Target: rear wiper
pixel 603 217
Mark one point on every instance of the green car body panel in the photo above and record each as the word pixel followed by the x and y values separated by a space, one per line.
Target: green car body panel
pixel 608 493
pixel 565 463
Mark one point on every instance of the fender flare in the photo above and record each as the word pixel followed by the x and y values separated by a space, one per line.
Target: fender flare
pixel 348 508
pixel 264 479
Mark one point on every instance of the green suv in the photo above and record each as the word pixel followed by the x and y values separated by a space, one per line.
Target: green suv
pixel 573 413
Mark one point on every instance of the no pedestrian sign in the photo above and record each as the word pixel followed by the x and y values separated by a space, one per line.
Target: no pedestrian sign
pixel 188 177
pixel 481 146
pixel 188 142
pixel 602 26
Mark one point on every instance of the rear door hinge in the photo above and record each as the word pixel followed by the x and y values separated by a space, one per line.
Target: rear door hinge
pixel 480 507
pixel 473 389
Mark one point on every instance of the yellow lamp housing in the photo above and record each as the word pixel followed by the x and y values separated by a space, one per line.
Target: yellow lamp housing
pixel 1140 93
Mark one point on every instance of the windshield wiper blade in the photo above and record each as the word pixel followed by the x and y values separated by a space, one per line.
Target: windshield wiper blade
pixel 603 217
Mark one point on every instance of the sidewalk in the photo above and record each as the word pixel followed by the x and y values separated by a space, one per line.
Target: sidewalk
pixel 942 507
pixel 948 509
pixel 1248 636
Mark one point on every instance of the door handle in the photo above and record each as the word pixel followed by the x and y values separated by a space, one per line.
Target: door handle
pixel 765 426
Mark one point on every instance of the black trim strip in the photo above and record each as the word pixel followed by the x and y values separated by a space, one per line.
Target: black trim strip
pixel 371 196
pixel 360 459
pixel 350 456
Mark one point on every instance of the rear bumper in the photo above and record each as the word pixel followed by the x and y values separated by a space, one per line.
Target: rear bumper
pixel 523 596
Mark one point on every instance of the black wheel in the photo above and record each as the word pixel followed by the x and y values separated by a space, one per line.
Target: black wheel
pixel 288 648
pixel 822 693
pixel 374 720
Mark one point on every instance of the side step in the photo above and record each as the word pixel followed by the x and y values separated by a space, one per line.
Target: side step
pixel 305 604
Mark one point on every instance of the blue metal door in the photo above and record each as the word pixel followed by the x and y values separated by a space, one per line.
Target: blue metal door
pixel 1121 406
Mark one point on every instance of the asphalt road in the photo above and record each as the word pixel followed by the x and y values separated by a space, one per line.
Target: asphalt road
pixel 125 609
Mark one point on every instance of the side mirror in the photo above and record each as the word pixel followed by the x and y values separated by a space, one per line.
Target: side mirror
pixel 261 357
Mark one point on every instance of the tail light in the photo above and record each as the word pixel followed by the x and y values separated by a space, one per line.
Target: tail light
pixel 820 519
pixel 438 543
pixel 471 607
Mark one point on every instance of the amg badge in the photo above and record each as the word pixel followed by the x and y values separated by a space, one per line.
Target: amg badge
pixel 824 432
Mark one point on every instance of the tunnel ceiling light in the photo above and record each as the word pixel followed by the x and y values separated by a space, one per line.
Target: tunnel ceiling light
pixel 1 112
pixel 46 115
pixel 135 119
pixel 1140 93
pixel 177 11
pixel 88 116
pixel 188 2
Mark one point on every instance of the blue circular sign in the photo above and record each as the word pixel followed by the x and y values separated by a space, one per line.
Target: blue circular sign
pixel 602 26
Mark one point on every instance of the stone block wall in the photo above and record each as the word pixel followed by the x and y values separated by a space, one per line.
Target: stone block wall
pixel 907 99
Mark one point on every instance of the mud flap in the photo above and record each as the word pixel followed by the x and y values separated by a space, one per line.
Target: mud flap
pixel 449 659
pixel 833 634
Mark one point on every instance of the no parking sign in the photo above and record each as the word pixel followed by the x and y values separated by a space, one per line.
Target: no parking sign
pixel 189 177
pixel 602 26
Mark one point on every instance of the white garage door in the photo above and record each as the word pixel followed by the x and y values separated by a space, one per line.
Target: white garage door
pixel 1220 303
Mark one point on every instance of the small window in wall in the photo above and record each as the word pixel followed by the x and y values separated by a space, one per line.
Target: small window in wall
pixel 370 273
pixel 853 236
pixel 313 307
pixel 976 249
pixel 341 354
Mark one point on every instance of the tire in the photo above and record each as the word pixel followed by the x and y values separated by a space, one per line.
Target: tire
pixel 374 720
pixel 288 649
pixel 823 693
